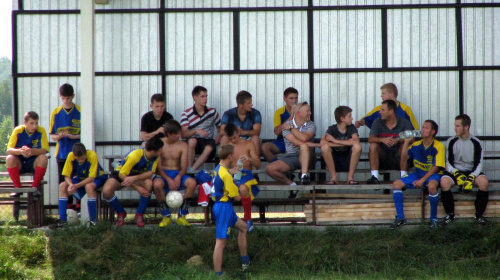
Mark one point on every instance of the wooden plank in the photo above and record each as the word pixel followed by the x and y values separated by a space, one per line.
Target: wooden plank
pixel 347 195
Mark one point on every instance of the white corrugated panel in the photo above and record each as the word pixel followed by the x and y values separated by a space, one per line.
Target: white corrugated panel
pixel 273 40
pixel 481 1
pixel 482 101
pixel 120 103
pixel 50 5
pixel 130 4
pixel 347 39
pixel 481 27
pixel 421 37
pixel 48 43
pixel 267 93
pixel 199 41
pixel 233 3
pixel 377 2
pixel 431 95
pixel 127 42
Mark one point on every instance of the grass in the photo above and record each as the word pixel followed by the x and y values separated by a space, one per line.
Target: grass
pixel 459 251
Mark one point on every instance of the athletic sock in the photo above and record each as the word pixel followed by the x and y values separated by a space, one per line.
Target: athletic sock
pixel 403 173
pixel 245 259
pixel 115 203
pixel 92 207
pixel 433 201
pixel 293 184
pixel 38 177
pixel 164 210
pixel 218 273
pixel 143 204
pixel 397 196
pixel 448 202
pixel 184 209
pixel 14 176
pixel 63 206
pixel 246 202
pixel 375 173
pixel 481 202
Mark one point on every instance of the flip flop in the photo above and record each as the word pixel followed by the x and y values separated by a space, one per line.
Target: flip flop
pixel 331 182
pixel 352 182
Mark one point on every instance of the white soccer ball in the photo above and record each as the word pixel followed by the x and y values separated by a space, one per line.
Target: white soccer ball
pixel 72 217
pixel 174 199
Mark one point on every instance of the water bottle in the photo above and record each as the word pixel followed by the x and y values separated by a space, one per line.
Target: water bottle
pixel 239 165
pixel 410 133
pixel 294 103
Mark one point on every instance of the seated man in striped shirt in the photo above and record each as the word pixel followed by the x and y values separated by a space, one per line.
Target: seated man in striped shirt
pixel 198 123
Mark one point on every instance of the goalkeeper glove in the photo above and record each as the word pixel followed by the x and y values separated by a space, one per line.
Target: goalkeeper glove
pixel 468 183
pixel 459 177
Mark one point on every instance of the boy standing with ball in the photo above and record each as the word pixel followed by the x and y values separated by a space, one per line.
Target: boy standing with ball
pixel 224 191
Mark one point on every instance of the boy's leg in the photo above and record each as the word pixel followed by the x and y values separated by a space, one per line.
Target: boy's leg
pixel 326 152
pixel 40 169
pixel 143 201
pixel 91 201
pixel 13 167
pixel 432 186
pixel 108 193
pixel 397 196
pixel 256 142
pixel 242 242
pixel 190 184
pixel 208 146
pixel 353 164
pixel 269 151
pixel 159 188
pixel 63 201
pixel 220 244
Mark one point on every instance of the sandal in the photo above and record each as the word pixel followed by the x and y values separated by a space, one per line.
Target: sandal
pixel 331 182
pixel 352 182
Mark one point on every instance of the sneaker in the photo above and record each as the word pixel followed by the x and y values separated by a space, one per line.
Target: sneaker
pixel 482 220
pixel 120 219
pixel 165 222
pixel 305 180
pixel 245 266
pixel 250 226
pixel 183 222
pixel 397 223
pixel 139 220
pixel 59 224
pixel 373 180
pixel 92 224
pixel 15 194
pixel 293 194
pixel 448 219
pixel 434 224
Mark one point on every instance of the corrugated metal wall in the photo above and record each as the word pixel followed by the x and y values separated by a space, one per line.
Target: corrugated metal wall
pixel 271 40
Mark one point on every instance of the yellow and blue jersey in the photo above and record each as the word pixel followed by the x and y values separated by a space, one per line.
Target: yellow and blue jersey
pixel 20 137
pixel 280 116
pixel 90 168
pixel 403 110
pixel 223 187
pixel 135 162
pixel 424 158
pixel 61 120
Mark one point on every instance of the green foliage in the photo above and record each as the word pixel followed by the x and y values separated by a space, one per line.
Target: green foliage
pixel 460 251
pixel 23 254
pixel 5 87
pixel 5 131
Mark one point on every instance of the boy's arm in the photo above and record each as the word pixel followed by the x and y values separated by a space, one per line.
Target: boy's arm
pixel 254 158
pixel 146 136
pixel 420 182
pixel 255 130
pixel 333 142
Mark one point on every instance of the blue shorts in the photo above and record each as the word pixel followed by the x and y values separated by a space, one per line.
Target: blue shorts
pixel 172 174
pixel 81 192
pixel 248 179
pixel 280 143
pixel 412 177
pixel 27 164
pixel 225 219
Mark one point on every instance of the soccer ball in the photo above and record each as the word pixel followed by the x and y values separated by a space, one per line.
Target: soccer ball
pixel 72 217
pixel 174 199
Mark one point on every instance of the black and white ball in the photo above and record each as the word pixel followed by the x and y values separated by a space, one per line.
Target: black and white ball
pixel 174 199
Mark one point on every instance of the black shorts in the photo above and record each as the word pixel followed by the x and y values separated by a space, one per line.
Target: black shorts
pixel 389 160
pixel 114 175
pixel 342 160
pixel 466 173
pixel 201 143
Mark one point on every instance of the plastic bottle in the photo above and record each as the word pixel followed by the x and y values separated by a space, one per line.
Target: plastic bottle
pixel 239 165
pixel 294 103
pixel 410 133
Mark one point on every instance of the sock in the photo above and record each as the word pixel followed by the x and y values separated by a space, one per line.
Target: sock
pixel 375 173
pixel 434 200
pixel 273 160
pixel 143 204
pixel 116 205
pixel 448 202
pixel 164 210
pixel 293 184
pixel 397 196
pixel 246 202
pixel 481 202
pixel 302 176
pixel 218 273
pixel 245 259
pixel 14 176
pixel 403 173
pixel 184 209
pixel 92 205
pixel 38 177
pixel 63 206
